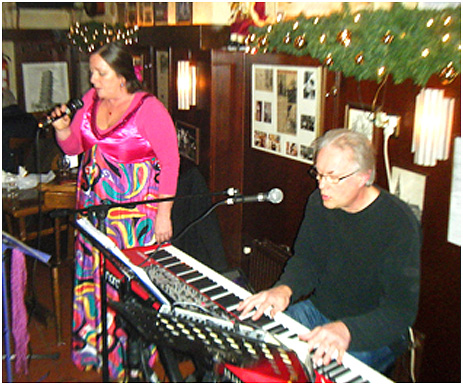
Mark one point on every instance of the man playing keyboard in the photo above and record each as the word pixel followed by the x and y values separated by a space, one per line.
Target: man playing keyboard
pixel 356 261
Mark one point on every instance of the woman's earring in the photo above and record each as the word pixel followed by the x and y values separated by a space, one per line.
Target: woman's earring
pixel 122 84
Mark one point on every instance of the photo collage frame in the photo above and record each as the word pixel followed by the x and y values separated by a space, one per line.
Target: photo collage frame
pixel 286 103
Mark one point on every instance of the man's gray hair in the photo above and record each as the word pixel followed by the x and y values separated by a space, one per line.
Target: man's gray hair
pixel 361 147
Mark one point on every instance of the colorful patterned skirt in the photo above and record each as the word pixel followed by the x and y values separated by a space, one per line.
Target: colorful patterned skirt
pixel 101 179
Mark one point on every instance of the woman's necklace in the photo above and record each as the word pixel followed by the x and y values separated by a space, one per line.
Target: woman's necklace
pixel 93 121
pixel 111 107
pixel 116 111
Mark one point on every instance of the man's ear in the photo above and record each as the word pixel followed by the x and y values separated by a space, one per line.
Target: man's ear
pixel 365 177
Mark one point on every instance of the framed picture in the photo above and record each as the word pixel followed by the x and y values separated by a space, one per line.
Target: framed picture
pixel 145 13
pixel 162 77
pixel 131 14
pixel 360 120
pixel 184 12
pixel 161 13
pixel 46 84
pixel 286 103
pixel 188 141
pixel 410 187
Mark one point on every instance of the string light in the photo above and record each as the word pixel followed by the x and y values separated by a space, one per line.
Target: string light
pixel 344 37
pixel 88 37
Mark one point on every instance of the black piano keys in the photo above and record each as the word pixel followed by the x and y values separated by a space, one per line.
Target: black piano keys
pixel 339 373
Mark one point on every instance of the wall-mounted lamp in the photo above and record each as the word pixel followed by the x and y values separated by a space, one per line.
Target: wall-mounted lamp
pixel 433 127
pixel 186 85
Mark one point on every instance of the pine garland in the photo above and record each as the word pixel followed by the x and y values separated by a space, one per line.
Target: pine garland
pixel 405 43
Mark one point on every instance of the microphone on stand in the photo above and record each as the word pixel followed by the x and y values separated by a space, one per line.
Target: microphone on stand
pixel 275 196
pixel 72 106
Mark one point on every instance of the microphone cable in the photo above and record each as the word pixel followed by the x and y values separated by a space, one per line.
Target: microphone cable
pixel 181 233
pixel 197 220
pixel 274 196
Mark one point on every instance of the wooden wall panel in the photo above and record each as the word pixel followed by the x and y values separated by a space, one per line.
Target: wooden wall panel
pixel 227 159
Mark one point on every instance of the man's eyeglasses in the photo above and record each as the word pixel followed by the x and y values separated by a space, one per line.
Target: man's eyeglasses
pixel 332 179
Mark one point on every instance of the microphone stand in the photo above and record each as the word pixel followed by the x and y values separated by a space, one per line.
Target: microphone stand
pixel 99 213
pixel 231 192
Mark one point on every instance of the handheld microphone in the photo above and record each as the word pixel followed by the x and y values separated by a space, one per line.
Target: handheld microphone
pixel 275 196
pixel 72 106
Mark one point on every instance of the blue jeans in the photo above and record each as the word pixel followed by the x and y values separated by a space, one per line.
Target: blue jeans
pixel 307 314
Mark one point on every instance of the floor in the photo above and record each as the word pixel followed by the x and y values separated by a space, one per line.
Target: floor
pixel 50 362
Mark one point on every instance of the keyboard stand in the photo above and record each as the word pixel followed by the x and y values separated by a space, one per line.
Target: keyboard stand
pixel 170 364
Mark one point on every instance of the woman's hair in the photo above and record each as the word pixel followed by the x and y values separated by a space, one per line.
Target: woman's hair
pixel 359 144
pixel 121 61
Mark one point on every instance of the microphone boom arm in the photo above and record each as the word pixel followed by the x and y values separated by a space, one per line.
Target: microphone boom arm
pixel 106 205
pixel 274 196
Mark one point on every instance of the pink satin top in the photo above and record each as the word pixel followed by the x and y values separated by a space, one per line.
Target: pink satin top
pixel 122 142
pixel 144 132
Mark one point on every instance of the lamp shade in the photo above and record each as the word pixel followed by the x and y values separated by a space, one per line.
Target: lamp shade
pixel 183 84
pixel 433 127
pixel 186 84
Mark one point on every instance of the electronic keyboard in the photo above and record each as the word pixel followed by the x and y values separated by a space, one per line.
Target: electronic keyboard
pixel 168 279
pixel 222 296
